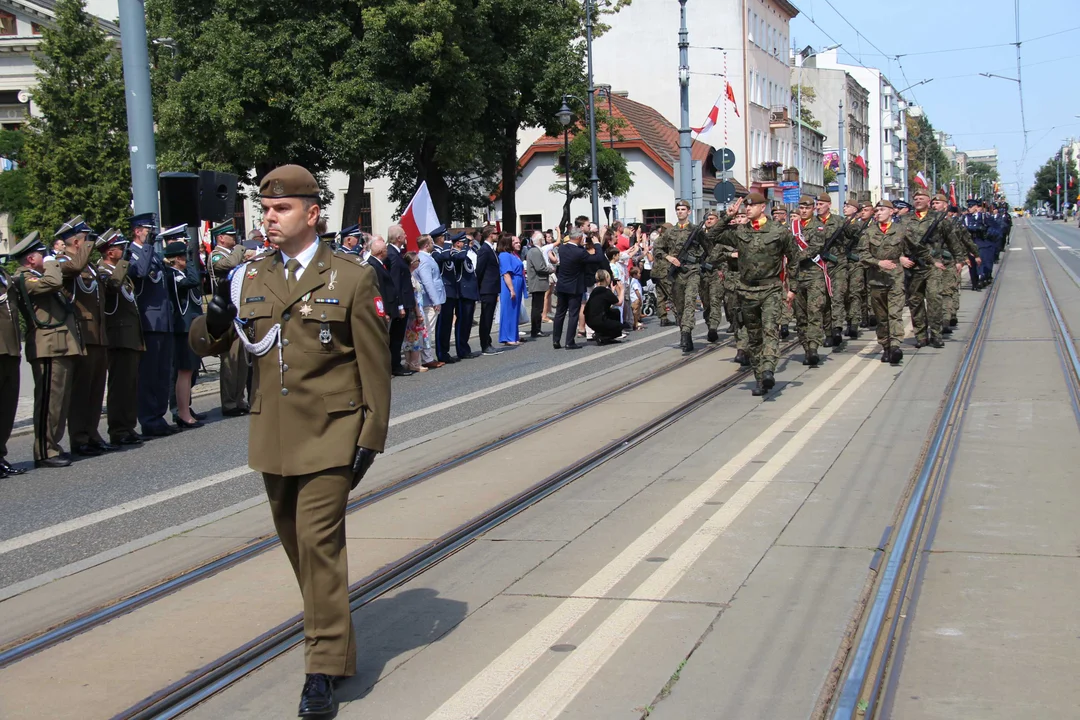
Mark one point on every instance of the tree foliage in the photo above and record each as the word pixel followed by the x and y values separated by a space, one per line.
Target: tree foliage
pixel 924 153
pixel 615 179
pixel 14 184
pixel 76 154
pixel 1047 180
pixel 809 95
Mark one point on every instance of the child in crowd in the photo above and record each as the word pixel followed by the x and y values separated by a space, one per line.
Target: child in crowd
pixel 636 296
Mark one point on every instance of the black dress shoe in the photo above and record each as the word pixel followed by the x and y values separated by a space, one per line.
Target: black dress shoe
pixel 403 373
pixel 768 381
pixel 493 351
pixel 574 346
pixel 234 412
pixel 556 346
pixel 59 461
pixel 130 439
pixel 317 698
pixel 470 356
pixel 188 425
pixel 161 431
pixel 8 469
pixel 449 360
pixel 104 446
pixel 539 334
pixel 87 450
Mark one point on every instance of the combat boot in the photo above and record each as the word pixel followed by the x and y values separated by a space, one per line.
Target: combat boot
pixel 953 322
pixel 730 329
pixel 946 329
pixel 768 381
pixel 936 343
pixel 896 355
pixel 664 321
pixel 852 331
pixel 886 354
pixel 688 343
pixel 813 359
pixel 784 332
pixel 871 322
pixel 828 342
pixel 759 389
pixel 713 335
pixel 742 358
pixel 837 336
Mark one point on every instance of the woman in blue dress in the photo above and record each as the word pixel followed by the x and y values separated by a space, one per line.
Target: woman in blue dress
pixel 513 288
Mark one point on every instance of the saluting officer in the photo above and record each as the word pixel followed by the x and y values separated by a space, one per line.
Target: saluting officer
pixel 315 322
pixel 810 283
pixel 10 356
pixel 226 256
pixel 52 338
pixel 124 330
pixel 88 379
pixel 155 310
pixel 185 291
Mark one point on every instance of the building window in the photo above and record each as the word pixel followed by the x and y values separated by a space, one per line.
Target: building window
pixel 887 141
pixel 654 218
pixel 531 223
pixel 7 24
pixel 365 213
pixel 35 28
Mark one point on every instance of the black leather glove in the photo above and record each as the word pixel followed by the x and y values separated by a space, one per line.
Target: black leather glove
pixel 363 460
pixel 220 312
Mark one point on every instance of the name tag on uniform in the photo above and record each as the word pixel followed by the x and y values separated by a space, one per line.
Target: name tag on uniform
pixel 260 298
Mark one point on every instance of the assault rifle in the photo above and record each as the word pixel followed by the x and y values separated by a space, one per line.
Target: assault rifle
pixel 684 251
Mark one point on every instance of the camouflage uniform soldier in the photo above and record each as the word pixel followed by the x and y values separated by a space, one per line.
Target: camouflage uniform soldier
pixel 859 314
pixel 925 291
pixel 970 248
pixel 761 247
pixel 721 238
pixel 712 280
pixel 661 269
pixel 687 280
pixel 848 306
pixel 810 289
pixel 885 250
pixel 831 227
pixel 787 316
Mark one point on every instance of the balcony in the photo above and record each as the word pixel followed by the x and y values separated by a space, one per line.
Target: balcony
pixel 887 155
pixel 890 120
pixel 764 174
pixel 779 118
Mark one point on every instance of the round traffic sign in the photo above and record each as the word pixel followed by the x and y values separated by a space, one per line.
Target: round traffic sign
pixel 724 159
pixel 724 192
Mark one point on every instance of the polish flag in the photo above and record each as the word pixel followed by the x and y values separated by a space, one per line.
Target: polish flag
pixel 419 218
pixel 731 96
pixel 921 180
pixel 952 192
pixel 860 160
pixel 714 113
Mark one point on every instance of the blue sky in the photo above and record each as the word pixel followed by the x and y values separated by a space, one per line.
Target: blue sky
pixel 978 112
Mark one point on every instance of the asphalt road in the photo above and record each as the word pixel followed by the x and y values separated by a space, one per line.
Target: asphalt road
pixel 44 510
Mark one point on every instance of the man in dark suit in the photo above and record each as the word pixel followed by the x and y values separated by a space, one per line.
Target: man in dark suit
pixel 575 263
pixel 450 261
pixel 490 279
pixel 469 295
pixel 378 262
pixel 406 308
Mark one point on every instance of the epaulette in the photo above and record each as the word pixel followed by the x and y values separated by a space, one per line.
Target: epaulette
pixel 350 257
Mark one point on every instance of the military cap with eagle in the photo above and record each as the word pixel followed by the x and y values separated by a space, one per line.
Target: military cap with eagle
pixel 226 228
pixel 109 239
pixel 289 181
pixel 30 243
pixel 74 226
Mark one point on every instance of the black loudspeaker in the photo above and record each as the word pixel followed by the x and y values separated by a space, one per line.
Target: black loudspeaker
pixel 179 193
pixel 217 195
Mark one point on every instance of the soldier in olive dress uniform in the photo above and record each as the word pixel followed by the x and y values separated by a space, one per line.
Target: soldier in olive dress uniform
pixel 314 322
pixel 10 360
pixel 235 366
pixel 124 329
pixel 88 380
pixel 53 343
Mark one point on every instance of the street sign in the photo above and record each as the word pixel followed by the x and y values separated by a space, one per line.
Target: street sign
pixel 724 159
pixel 791 192
pixel 724 193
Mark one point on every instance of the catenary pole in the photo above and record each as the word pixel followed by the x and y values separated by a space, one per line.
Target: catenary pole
pixel 140 113
pixel 686 170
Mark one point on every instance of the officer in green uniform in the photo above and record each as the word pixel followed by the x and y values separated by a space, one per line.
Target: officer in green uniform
pixel 886 249
pixel 316 326
pixel 787 316
pixel 235 367
pixel 124 329
pixel 809 287
pixel 970 248
pixel 10 360
pixel 851 307
pixel 712 282
pixel 831 227
pixel 761 247
pixel 688 270
pixel 933 230
pixel 721 238
pixel 661 278
pixel 53 343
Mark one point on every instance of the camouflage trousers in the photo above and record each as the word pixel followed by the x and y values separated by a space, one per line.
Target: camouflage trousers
pixel 858 300
pixel 924 301
pixel 887 304
pixel 834 313
pixel 684 294
pixel 761 308
pixel 733 309
pixel 950 291
pixel 712 297
pixel 662 286
pixel 810 295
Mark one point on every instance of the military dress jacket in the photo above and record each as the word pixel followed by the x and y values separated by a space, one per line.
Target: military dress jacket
pixel 185 291
pixel 149 273
pixel 889 244
pixel 10 334
pixel 223 261
pixel 88 295
pixel 330 392
pixel 52 328
pixel 762 254
pixel 122 321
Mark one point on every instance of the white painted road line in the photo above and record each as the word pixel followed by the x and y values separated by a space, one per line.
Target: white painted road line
pixel 472 698
pixel 122 509
pixel 551 697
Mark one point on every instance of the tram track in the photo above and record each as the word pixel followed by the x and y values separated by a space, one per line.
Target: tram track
pixel 198 686
pixel 34 643
pixel 863 669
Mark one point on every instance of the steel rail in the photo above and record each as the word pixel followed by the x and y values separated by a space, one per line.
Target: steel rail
pixel 24 647
pixel 198 686
pixel 861 689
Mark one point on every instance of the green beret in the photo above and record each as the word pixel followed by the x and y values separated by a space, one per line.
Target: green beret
pixel 289 181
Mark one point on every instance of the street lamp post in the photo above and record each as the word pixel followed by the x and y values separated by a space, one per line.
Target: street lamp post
pixel 686 170
pixel 140 113
pixel 565 115
pixel 594 181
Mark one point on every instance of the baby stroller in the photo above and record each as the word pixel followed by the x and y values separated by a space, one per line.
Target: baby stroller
pixel 648 300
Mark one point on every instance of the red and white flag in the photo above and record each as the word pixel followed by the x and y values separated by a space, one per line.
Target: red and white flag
pixel 860 160
pixel 419 218
pixel 952 192
pixel 714 113
pixel 921 180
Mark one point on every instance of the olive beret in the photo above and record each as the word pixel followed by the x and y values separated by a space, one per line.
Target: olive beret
pixel 886 203
pixel 289 181
pixel 755 198
pixel 921 191
pixel 825 198
pixel 807 201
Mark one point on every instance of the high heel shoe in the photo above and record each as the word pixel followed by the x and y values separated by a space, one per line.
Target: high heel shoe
pixel 180 423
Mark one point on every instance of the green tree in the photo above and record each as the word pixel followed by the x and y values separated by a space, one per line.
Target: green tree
pixel 611 170
pixel 809 95
pixel 924 153
pixel 76 153
pixel 14 184
pixel 1048 178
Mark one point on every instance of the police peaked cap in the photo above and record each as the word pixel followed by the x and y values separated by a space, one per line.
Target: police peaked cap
pixel 351 231
pixel 177 231
pixel 438 232
pixel 901 204
pixel 147 220
pixel 74 226
pixel 458 236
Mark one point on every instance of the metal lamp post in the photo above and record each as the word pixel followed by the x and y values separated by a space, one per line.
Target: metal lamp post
pixel 565 115
pixel 686 169
pixel 594 181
